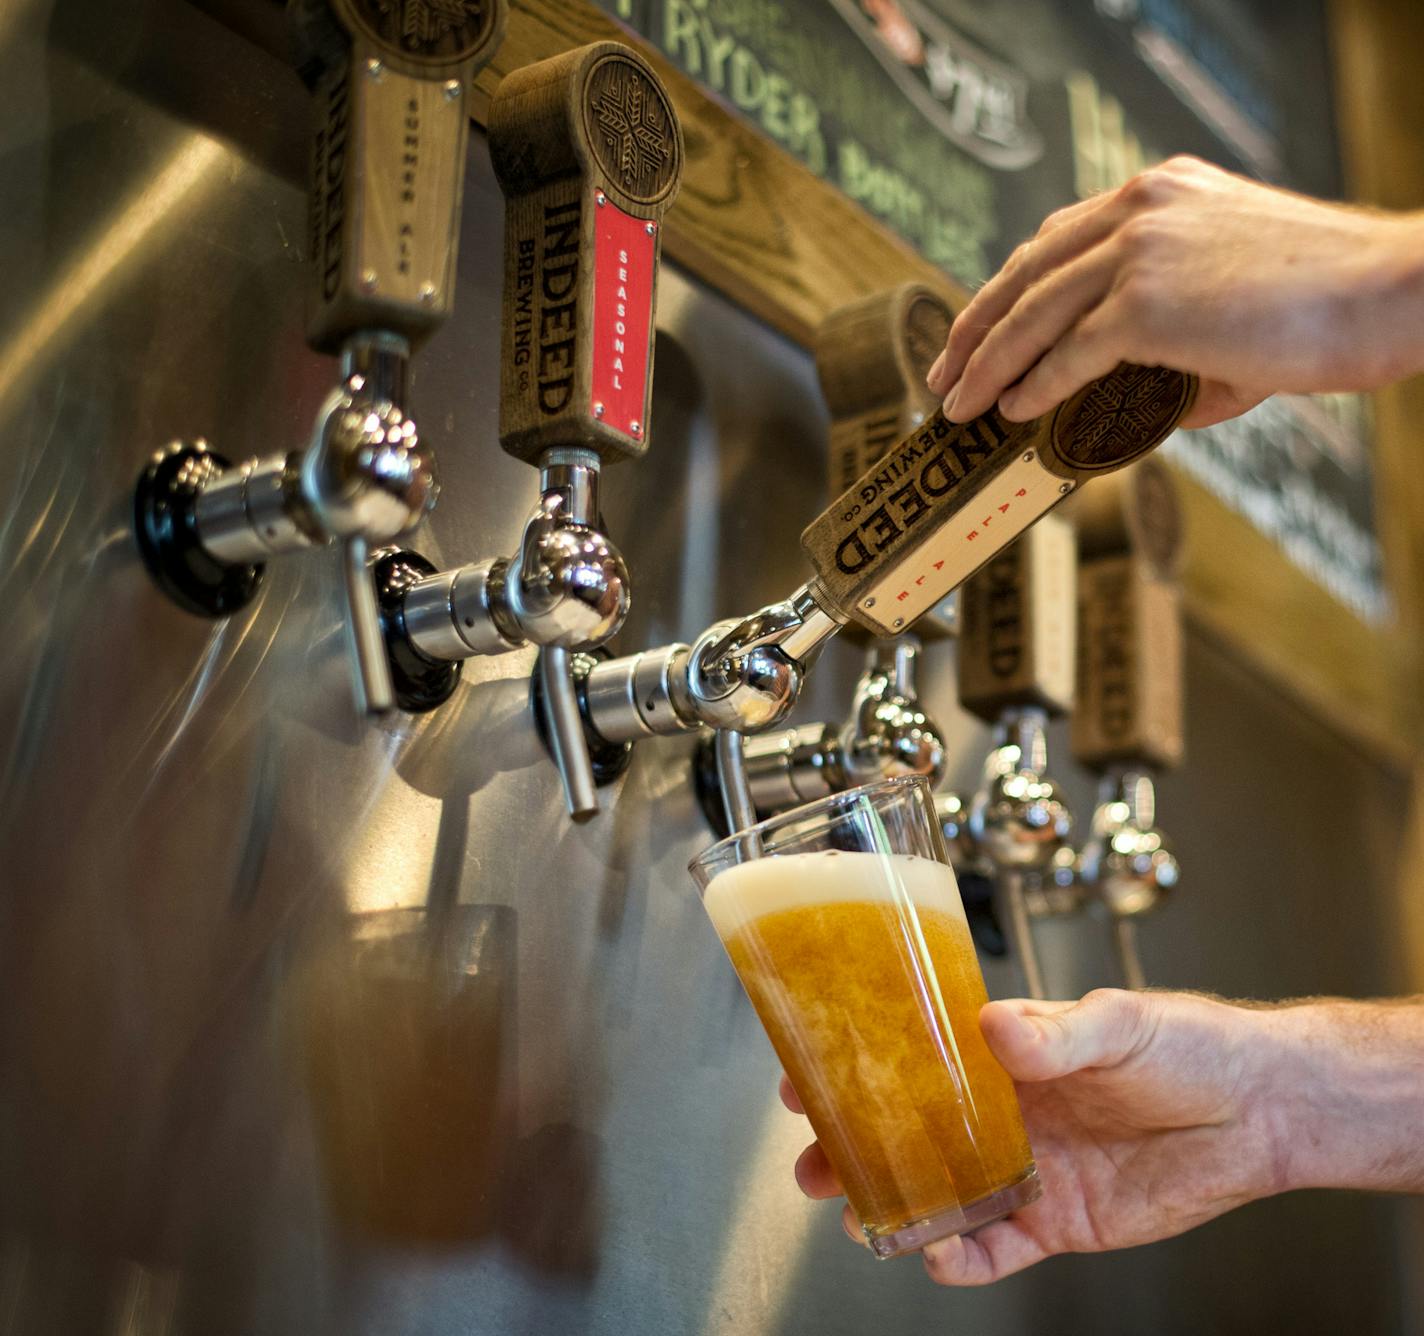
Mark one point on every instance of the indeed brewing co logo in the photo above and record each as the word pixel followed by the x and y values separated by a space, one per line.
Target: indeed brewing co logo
pixel 975 100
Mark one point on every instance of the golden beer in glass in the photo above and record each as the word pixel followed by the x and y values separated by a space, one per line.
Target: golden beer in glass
pixel 844 923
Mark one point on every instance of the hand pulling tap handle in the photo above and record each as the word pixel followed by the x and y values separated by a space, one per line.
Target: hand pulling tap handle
pixel 951 495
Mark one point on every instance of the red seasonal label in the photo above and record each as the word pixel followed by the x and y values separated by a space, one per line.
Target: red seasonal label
pixel 624 251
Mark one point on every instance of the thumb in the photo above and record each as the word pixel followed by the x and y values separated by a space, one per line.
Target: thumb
pixel 1037 1041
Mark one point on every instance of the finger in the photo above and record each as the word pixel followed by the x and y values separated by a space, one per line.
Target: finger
pixel 1047 251
pixel 1033 1006
pixel 814 1175
pixel 1042 316
pixel 987 1255
pixel 850 1222
pixel 1089 350
pixel 789 1097
pixel 1106 1027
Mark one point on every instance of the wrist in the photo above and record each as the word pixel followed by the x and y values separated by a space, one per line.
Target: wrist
pixel 1394 297
pixel 1340 1099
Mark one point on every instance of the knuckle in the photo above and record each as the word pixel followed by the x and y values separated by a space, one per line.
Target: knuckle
pixel 1150 188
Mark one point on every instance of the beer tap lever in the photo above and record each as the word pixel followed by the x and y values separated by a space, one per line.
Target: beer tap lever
pixel 386 224
pixel 585 195
pixel 892 547
pixel 1127 722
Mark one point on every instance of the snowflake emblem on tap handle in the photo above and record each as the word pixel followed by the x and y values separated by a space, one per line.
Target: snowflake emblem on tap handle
pixel 1123 415
pixel 430 32
pixel 631 128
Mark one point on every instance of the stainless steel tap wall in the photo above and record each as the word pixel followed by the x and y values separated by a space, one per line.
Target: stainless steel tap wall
pixel 312 1026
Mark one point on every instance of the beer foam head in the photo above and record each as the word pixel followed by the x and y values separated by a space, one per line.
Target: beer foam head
pixel 829 876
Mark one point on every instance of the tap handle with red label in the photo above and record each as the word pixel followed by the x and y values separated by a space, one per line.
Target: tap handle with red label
pixel 951 495
pixel 588 150
pixel 391 85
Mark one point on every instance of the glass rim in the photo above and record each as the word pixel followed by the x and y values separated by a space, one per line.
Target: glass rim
pixel 807 811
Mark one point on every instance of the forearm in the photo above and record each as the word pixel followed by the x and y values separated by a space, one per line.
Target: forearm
pixel 1343 1094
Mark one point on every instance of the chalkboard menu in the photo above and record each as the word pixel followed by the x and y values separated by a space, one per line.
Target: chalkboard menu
pixel 961 123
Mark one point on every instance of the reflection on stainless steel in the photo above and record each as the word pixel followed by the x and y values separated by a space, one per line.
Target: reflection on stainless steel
pixel 732 778
pixel 248 1081
pixel 1020 823
pixel 1126 862
pixel 888 733
pixel 565 727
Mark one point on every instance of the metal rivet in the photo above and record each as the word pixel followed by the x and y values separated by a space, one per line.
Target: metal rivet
pixel 870 603
pixel 898 622
pixel 368 279
pixel 597 409
pixel 1065 488
pixel 635 427
pixel 427 293
pixel 1028 457
pixel 452 89
pixel 651 229
pixel 600 198
pixel 375 70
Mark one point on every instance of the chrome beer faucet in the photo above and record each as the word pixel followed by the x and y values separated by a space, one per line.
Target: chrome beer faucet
pixel 910 530
pixel 872 358
pixel 1016 666
pixel 385 225
pixel 1127 720
pixel 582 238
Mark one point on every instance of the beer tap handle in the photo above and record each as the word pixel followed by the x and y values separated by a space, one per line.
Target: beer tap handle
pixel 588 152
pixel 564 730
pixel 951 495
pixel 391 89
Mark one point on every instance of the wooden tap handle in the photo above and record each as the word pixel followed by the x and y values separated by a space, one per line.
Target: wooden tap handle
pixel 872 357
pixel 949 496
pixel 1018 622
pixel 588 151
pixel 1137 510
pixel 390 83
pixel 1128 708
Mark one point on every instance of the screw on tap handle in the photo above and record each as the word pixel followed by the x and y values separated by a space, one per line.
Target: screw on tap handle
pixel 950 496
pixel 388 157
pixel 588 151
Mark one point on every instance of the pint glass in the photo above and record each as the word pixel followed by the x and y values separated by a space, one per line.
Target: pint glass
pixel 843 921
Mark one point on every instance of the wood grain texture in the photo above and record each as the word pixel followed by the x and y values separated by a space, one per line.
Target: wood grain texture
pixel 560 162
pixel 750 220
pixel 947 498
pixel 1018 625
pixel 1128 707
